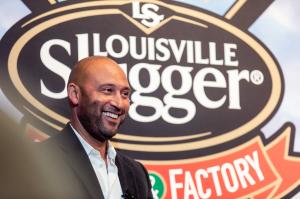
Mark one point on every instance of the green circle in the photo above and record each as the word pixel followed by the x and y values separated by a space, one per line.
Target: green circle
pixel 158 187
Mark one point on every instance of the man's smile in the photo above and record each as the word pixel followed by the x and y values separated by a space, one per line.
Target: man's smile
pixel 110 114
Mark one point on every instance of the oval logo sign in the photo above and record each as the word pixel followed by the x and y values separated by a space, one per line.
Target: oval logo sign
pixel 198 81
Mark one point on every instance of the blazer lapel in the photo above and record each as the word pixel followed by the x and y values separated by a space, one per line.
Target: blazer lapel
pixel 78 160
pixel 125 177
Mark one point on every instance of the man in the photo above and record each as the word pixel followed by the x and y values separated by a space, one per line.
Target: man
pixel 80 161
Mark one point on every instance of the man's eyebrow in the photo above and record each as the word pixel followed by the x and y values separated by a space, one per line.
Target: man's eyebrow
pixel 127 88
pixel 113 85
pixel 108 84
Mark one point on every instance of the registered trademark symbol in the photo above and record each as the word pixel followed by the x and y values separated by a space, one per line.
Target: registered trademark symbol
pixel 257 77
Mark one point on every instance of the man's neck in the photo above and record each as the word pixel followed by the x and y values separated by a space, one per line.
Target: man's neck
pixel 96 144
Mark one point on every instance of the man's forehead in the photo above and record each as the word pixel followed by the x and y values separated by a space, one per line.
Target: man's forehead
pixel 103 71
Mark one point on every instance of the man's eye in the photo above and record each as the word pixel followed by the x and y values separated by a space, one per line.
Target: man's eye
pixel 107 90
pixel 126 94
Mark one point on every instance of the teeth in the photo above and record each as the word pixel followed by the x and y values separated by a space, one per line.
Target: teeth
pixel 112 115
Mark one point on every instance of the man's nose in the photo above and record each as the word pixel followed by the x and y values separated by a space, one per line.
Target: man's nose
pixel 118 101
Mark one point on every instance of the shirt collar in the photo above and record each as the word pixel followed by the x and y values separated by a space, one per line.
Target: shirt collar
pixel 111 152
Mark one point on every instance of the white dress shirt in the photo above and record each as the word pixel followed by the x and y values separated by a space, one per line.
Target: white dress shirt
pixel 107 176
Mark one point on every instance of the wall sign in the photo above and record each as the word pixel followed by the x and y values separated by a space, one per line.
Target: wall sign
pixel 203 86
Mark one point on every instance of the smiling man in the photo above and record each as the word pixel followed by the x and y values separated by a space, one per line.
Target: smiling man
pixel 80 161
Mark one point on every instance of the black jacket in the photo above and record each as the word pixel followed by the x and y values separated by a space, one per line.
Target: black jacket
pixel 68 173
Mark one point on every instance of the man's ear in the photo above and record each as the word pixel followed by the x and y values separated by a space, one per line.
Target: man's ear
pixel 73 93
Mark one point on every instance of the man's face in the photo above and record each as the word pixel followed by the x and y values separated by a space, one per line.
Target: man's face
pixel 104 101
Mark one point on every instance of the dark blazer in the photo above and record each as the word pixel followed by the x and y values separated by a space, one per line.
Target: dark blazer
pixel 68 173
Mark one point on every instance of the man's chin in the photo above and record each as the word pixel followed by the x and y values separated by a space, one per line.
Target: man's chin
pixel 109 135
pixel 101 137
pixel 104 135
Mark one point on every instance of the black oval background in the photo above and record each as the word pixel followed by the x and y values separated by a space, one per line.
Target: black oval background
pixel 217 121
pixel 205 119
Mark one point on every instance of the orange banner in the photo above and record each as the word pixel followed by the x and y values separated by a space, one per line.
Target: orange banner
pixel 250 170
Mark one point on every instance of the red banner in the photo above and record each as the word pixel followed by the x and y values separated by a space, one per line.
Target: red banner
pixel 250 170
